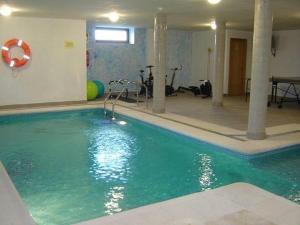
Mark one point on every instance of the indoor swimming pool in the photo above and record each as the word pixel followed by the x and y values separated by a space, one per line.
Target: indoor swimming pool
pixel 74 166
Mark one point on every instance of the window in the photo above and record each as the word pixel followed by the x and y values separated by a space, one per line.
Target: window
pixel 112 35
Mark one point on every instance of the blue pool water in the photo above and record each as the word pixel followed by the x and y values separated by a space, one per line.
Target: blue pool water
pixel 74 166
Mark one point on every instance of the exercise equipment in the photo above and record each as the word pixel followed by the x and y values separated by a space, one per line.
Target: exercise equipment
pixel 15 62
pixel 195 90
pixel 205 89
pixel 143 89
pixel 289 89
pixel 170 91
pixel 100 87
pixel 147 82
pixel 92 90
pixel 125 93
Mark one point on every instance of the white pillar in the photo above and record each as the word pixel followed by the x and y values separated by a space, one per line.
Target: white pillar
pixel 150 47
pixel 160 35
pixel 260 69
pixel 219 62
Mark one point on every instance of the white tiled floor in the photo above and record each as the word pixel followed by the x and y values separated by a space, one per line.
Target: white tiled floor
pixel 235 110
pixel 236 204
pixel 226 126
pixel 12 209
pixel 279 136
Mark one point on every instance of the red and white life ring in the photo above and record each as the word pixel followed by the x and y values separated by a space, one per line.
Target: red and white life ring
pixel 15 62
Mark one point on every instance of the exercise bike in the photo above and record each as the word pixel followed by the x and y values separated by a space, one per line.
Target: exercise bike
pixel 148 82
pixel 170 91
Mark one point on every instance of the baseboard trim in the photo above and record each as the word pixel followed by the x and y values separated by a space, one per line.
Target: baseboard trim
pixel 39 105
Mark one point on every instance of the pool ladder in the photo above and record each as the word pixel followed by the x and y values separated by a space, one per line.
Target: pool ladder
pixel 124 84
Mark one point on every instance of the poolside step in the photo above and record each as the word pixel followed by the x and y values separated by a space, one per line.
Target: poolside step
pixel 12 208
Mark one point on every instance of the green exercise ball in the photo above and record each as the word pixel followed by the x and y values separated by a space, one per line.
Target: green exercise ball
pixel 100 87
pixel 92 90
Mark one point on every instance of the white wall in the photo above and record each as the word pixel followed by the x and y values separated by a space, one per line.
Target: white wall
pixel 55 73
pixel 286 62
pixel 114 61
pixel 287 59
pixel 150 47
pixel 202 59
pixel 202 41
pixel 179 52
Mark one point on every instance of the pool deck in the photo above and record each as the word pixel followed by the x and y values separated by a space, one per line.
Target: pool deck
pixel 12 209
pixel 235 204
pixel 279 137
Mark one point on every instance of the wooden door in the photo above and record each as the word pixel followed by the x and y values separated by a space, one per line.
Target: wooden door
pixel 237 66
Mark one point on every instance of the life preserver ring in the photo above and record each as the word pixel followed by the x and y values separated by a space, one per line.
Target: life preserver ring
pixel 15 62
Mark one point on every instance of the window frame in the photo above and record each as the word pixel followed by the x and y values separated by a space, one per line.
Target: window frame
pixel 113 41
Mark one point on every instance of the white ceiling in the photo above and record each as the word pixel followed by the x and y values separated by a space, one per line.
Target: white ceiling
pixel 184 14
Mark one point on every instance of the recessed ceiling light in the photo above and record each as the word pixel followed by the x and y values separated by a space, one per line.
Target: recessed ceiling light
pixel 214 1
pixel 213 25
pixel 5 10
pixel 113 16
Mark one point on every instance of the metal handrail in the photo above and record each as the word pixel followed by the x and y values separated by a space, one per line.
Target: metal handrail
pixel 111 86
pixel 138 86
pixel 137 89
pixel 115 102
pixel 125 84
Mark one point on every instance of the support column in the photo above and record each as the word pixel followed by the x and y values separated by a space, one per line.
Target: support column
pixel 219 62
pixel 260 70
pixel 160 36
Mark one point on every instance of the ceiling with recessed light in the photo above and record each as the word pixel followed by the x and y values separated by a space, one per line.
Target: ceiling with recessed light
pixel 183 14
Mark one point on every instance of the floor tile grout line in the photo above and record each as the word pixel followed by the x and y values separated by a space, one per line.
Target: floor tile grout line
pixel 187 124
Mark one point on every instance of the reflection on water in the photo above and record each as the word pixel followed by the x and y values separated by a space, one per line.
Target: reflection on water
pixel 111 150
pixel 110 164
pixel 295 194
pixel 114 196
pixel 207 174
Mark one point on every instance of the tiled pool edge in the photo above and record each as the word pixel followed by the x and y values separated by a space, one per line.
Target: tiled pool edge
pixel 231 148
pixel 12 209
pixel 212 205
pixel 221 148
